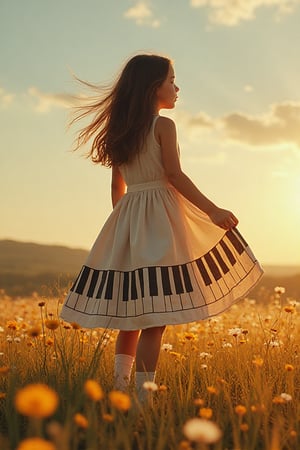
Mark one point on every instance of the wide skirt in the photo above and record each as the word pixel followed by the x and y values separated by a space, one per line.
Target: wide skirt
pixel 159 260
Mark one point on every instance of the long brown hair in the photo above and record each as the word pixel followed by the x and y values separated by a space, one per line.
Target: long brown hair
pixel 122 116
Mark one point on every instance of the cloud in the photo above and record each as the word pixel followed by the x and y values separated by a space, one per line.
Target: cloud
pixel 231 13
pixel 6 98
pixel 45 101
pixel 280 125
pixel 142 14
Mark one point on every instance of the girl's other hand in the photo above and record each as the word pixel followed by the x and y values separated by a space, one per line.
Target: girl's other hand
pixel 223 218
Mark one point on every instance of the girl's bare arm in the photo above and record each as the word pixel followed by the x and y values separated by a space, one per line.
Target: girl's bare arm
pixel 166 134
pixel 118 185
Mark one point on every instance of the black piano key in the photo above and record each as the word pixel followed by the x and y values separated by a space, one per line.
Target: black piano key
pixel 109 286
pixel 93 283
pixel 125 286
pixel 83 280
pixel 203 272
pixel 152 281
pixel 236 231
pixel 235 242
pixel 102 283
pixel 165 281
pixel 213 266
pixel 177 280
pixel 220 260
pixel 134 295
pixel 75 282
pixel 141 278
pixel 186 279
pixel 228 253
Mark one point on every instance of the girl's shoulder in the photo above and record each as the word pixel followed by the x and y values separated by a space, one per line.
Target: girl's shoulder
pixel 165 121
pixel 163 126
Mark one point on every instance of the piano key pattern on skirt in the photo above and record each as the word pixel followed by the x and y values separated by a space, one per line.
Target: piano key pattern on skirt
pixel 186 286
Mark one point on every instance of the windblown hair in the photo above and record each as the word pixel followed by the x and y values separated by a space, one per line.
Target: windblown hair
pixel 122 116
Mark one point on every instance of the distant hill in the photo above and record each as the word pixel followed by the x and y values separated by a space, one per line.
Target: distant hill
pixel 27 267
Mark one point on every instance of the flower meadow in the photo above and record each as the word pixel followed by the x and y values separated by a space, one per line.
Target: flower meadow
pixel 231 382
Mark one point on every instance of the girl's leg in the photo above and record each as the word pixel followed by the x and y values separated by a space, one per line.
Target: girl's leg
pixel 125 353
pixel 147 354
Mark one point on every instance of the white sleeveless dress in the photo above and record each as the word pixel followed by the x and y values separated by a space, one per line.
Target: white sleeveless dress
pixel 158 259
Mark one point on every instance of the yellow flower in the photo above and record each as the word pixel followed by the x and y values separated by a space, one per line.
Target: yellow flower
pixel 244 427
pixel 289 367
pixel 212 390
pixel 258 408
pixel 240 410
pixel 49 341
pixel 52 324
pixel 199 402
pixel 258 361
pixel 221 380
pixel 75 326
pixel 201 430
pixel 278 400
pixel 35 443
pixel 120 400
pixel 81 421
pixel 34 331
pixel 36 400
pixel 108 418
pixel 206 413
pixel 162 388
pixel 12 325
pixel 93 390
pixel 190 336
pixel 4 370
pixel 289 309
pixel 184 445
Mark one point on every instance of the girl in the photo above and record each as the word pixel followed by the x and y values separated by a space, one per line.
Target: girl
pixel 166 254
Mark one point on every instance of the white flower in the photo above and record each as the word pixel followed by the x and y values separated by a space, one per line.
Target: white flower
pixel 273 343
pixel 279 290
pixel 9 338
pixel 205 355
pixel 17 340
pixel 227 345
pixel 203 366
pixel 286 397
pixel 150 386
pixel 235 331
pixel 201 430
pixel 167 347
pixel 1 330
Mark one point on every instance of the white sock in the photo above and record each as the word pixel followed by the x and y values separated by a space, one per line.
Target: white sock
pixel 123 366
pixel 140 378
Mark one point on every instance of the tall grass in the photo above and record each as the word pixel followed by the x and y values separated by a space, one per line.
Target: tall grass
pixel 239 370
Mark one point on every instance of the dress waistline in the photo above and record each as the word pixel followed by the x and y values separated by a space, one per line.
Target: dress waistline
pixel 148 185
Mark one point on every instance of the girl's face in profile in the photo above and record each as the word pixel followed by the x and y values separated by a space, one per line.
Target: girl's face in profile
pixel 166 94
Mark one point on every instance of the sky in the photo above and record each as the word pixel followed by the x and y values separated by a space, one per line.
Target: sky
pixel 238 114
